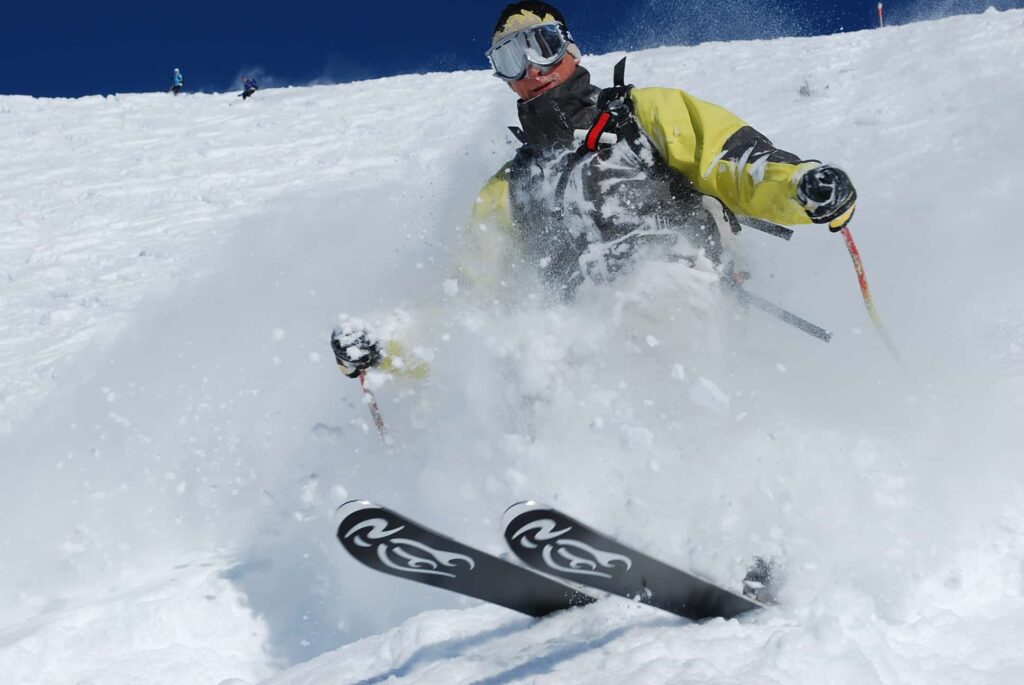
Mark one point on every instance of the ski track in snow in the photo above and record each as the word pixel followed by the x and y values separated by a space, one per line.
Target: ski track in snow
pixel 175 438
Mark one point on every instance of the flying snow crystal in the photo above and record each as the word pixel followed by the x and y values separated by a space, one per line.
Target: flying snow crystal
pixel 708 395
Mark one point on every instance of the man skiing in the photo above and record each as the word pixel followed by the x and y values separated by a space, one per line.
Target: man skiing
pixel 602 172
pixel 606 176
pixel 179 81
pixel 249 86
pixel 607 179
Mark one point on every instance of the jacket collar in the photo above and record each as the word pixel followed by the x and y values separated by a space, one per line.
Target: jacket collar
pixel 550 119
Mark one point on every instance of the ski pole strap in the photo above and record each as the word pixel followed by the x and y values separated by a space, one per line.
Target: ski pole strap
pixel 778 312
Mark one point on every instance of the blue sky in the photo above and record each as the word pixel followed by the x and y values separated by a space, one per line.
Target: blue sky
pixel 72 49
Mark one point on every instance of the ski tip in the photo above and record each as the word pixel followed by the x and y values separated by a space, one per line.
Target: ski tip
pixel 518 509
pixel 351 507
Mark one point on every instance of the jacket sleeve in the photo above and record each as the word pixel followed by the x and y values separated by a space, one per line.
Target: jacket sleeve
pixel 491 247
pixel 722 155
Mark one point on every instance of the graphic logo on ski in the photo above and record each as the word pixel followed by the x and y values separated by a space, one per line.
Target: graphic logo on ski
pixel 556 544
pixel 409 553
pixel 566 549
pixel 393 544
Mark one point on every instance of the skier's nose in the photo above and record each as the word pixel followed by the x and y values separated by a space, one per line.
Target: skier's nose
pixel 533 71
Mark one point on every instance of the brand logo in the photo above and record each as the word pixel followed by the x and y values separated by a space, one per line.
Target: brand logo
pixel 404 554
pixel 567 555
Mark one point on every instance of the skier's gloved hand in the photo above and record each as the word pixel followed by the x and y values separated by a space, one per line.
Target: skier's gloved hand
pixel 355 350
pixel 828 196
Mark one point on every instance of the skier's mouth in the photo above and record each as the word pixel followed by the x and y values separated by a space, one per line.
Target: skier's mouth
pixel 542 88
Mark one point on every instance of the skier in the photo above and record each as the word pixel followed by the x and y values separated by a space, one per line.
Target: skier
pixel 179 81
pixel 603 171
pixel 604 176
pixel 249 86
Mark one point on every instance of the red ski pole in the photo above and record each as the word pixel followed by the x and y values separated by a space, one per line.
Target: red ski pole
pixel 865 292
pixel 371 402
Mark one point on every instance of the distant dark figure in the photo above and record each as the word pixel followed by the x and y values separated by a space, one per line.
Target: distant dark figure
pixel 179 81
pixel 249 86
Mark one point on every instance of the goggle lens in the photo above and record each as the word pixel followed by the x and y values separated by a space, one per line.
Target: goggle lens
pixel 542 45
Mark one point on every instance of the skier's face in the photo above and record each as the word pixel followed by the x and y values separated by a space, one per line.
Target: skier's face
pixel 540 80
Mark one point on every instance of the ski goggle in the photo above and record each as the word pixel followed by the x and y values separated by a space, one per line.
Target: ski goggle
pixel 543 45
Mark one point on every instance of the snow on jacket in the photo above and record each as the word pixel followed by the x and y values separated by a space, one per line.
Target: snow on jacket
pixel 553 202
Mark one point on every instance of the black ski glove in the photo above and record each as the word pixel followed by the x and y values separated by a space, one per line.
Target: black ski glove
pixel 354 350
pixel 828 196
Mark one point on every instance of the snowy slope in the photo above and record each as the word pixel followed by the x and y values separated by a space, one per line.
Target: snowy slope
pixel 176 438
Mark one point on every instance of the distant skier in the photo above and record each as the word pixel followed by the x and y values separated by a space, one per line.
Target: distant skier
pixel 179 81
pixel 249 86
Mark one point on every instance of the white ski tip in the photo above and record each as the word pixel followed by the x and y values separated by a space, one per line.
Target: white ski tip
pixel 351 507
pixel 518 509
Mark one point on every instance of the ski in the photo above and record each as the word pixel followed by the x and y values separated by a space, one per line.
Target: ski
pixel 390 543
pixel 559 545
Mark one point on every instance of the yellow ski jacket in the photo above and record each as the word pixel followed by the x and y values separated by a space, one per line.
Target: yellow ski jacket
pixel 720 154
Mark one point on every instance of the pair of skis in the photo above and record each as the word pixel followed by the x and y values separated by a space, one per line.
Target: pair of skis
pixel 549 543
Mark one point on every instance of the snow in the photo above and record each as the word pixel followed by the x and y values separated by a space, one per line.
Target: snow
pixel 189 620
pixel 175 437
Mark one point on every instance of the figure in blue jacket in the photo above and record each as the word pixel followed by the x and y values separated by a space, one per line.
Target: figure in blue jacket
pixel 179 81
pixel 249 86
